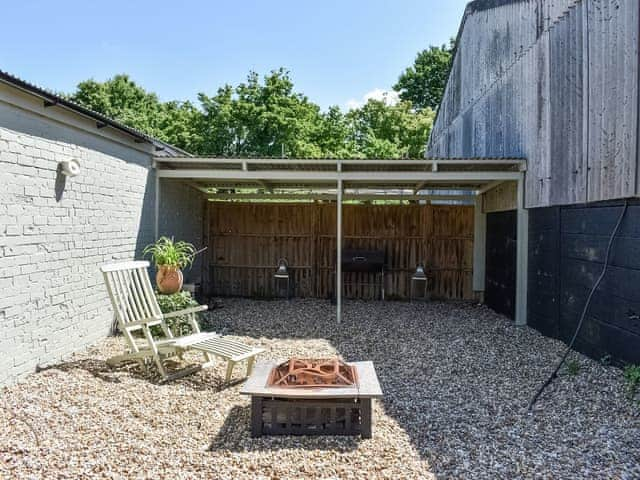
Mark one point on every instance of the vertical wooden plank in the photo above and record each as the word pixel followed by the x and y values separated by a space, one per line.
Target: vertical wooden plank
pixel 613 98
pixel 245 242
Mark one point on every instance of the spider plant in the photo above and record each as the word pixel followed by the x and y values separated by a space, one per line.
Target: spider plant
pixel 166 252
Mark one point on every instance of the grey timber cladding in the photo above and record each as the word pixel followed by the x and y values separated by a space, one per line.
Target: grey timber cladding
pixel 554 81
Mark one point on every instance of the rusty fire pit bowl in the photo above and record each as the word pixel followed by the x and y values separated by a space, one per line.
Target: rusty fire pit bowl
pixel 313 373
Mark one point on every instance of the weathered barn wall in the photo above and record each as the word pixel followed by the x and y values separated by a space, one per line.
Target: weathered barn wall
pixel 246 240
pixel 501 198
pixel 567 251
pixel 555 81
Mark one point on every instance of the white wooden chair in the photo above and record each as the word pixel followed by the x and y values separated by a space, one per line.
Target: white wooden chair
pixel 136 308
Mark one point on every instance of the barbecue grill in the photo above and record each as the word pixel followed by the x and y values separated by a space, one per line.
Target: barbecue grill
pixel 364 261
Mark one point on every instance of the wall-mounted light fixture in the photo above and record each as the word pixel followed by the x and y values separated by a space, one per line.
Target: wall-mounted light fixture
pixel 283 269
pixel 70 168
pixel 419 274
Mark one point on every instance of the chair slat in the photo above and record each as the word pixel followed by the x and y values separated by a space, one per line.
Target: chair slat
pixel 113 295
pixel 148 292
pixel 231 345
pixel 120 304
pixel 122 278
pixel 221 345
pixel 134 293
pixel 141 295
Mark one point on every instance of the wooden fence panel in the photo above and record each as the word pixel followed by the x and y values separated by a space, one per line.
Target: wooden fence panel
pixel 246 241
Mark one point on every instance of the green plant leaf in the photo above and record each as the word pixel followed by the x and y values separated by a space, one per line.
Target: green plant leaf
pixel 165 251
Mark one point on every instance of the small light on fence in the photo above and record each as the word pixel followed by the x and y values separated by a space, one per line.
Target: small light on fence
pixel 283 269
pixel 419 273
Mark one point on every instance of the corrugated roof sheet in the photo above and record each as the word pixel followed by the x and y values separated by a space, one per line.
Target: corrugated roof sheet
pixel 56 99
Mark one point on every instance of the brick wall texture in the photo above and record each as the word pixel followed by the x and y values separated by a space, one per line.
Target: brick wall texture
pixel 56 232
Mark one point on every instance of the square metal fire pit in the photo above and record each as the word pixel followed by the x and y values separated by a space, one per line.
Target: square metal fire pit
pixel 318 410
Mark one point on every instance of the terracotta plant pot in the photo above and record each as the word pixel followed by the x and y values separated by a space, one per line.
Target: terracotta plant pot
pixel 169 279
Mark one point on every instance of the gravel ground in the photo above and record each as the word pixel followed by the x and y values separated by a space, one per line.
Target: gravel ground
pixel 456 377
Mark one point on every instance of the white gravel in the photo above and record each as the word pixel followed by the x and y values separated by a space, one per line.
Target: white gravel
pixel 456 377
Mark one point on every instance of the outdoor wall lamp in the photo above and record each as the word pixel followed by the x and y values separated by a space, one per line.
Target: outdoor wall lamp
pixel 283 269
pixel 70 168
pixel 419 273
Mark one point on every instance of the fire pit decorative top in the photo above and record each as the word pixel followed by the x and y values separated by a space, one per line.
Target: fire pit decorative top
pixel 366 386
pixel 308 373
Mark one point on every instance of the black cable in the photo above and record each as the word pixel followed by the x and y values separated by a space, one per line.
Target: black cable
pixel 584 310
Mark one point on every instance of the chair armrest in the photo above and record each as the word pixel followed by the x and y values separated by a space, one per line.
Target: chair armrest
pixel 186 311
pixel 149 322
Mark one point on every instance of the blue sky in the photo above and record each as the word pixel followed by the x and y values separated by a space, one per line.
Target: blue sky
pixel 337 51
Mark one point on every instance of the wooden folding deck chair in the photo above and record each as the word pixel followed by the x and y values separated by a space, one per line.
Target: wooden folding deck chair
pixel 137 308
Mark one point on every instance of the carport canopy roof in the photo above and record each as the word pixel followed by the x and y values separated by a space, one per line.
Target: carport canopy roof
pixel 319 178
pixel 450 179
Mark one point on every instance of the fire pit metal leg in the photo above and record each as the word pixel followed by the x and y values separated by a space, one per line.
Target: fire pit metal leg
pixel 256 416
pixel 365 416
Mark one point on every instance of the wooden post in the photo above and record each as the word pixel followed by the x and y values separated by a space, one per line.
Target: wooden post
pixel 522 256
pixel 339 253
pixel 479 248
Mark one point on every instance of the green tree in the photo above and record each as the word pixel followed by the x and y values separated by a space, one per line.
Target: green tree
pixel 380 130
pixel 424 82
pixel 122 99
pixel 335 136
pixel 261 118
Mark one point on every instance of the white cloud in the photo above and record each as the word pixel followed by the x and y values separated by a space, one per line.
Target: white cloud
pixel 352 104
pixel 390 97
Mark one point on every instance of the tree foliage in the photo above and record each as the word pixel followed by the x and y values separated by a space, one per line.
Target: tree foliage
pixel 424 82
pixel 122 99
pixel 263 117
pixel 390 131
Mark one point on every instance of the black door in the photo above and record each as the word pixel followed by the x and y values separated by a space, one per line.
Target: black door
pixel 500 284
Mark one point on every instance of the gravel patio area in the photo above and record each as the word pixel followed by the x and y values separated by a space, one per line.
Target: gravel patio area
pixel 456 377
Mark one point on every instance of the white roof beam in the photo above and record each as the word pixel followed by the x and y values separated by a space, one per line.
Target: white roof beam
pixel 333 196
pixel 433 162
pixel 362 176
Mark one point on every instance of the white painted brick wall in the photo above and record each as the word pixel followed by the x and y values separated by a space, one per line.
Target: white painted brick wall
pixel 53 240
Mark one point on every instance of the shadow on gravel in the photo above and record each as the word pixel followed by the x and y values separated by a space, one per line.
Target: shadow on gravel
pixel 98 368
pixel 235 436
pixel 204 380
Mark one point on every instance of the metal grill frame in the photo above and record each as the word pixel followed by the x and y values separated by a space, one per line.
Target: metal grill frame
pixel 286 416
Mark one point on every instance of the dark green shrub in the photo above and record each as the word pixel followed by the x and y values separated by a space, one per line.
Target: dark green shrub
pixel 172 303
pixel 632 380
pixel 573 367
